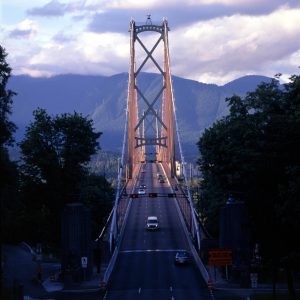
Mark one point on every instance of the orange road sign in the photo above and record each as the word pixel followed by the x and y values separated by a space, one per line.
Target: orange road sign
pixel 219 257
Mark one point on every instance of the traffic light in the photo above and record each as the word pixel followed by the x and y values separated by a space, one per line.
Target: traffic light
pixel 152 195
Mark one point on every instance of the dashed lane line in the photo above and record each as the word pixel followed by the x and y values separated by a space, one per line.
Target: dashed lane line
pixel 149 250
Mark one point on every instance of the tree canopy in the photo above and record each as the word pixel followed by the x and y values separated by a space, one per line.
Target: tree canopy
pixel 56 149
pixel 254 155
pixel 7 127
pixel 55 152
pixel 8 169
pixel 53 171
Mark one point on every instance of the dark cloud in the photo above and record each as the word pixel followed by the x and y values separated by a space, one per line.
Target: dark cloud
pixel 56 9
pixel 79 17
pixel 63 38
pixel 19 33
pixel 117 20
pixel 53 8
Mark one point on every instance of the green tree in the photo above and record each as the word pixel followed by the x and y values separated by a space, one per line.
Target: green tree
pixel 55 152
pixel 57 149
pixel 8 169
pixel 254 153
pixel 7 128
pixel 97 194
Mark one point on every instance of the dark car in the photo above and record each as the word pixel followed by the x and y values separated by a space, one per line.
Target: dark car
pixel 182 257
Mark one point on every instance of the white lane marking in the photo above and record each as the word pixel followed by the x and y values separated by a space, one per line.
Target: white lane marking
pixel 149 250
pixel 172 298
pixel 140 290
pixel 171 289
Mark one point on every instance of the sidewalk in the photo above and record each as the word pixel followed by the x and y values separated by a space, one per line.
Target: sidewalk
pixel 91 285
pixel 20 270
pixel 220 284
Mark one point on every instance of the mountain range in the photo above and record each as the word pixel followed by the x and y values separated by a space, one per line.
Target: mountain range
pixel 198 105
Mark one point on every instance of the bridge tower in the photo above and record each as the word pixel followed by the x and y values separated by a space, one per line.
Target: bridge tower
pixel 151 124
pixel 160 119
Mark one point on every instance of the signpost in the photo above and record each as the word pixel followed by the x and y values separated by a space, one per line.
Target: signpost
pixel 220 257
pixel 84 262
pixel 253 277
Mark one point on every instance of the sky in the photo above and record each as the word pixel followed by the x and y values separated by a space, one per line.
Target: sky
pixel 210 41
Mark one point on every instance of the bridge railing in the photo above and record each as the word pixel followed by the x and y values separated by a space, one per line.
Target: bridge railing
pixel 120 232
pixel 183 206
pixel 184 195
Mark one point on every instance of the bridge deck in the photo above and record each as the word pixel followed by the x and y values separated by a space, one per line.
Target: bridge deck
pixel 145 265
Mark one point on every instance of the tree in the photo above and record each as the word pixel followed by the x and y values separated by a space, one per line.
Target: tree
pixel 254 153
pixel 7 128
pixel 56 149
pixel 55 152
pixel 8 169
pixel 98 195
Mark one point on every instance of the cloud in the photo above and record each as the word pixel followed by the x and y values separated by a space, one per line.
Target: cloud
pixel 20 33
pixel 26 29
pixel 62 38
pixel 51 9
pixel 235 45
pixel 114 15
pixel 157 4
pixel 90 53
pixel 202 47
pixel 55 8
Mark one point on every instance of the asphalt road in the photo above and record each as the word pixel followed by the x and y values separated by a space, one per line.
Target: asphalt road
pixel 145 266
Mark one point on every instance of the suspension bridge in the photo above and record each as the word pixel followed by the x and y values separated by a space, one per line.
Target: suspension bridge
pixel 152 182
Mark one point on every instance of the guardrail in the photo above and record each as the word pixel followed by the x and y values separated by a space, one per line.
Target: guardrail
pixel 203 229
pixel 105 226
pixel 198 260
pixel 119 240
pixel 108 220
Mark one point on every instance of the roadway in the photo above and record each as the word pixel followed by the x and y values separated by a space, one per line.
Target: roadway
pixel 145 266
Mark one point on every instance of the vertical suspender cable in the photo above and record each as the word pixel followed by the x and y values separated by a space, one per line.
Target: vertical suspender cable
pixel 113 227
pixel 195 223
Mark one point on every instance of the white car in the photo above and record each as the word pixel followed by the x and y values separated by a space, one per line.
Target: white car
pixel 141 191
pixel 152 223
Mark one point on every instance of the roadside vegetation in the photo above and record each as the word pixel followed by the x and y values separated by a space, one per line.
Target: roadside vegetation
pixel 253 155
pixel 53 171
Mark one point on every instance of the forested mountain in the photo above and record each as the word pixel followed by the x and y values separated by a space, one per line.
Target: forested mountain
pixel 104 100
